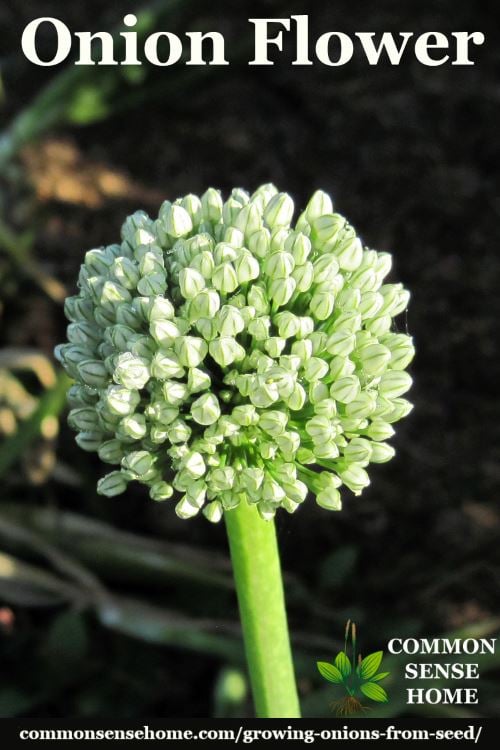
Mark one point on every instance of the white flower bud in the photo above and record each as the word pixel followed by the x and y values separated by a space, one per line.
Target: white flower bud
pixel 221 479
pixel 341 343
pixel 177 221
pixel 206 410
pixel 131 371
pixel 224 278
pixel 393 383
pixel 303 349
pixel 299 246
pixel 319 428
pixel 78 309
pixel 362 406
pixel 374 359
pixel 226 350
pixel 138 463
pixel 213 511
pixel 152 285
pixel 259 328
pixel 190 350
pixel 164 332
pixel 263 394
pixel 401 408
pixel 315 368
pixel 303 277
pixel 279 265
pixel 112 484
pixel 192 204
pixel 191 283
pixel 326 408
pixel 381 453
pixel 249 220
pixel 279 211
pixel 134 426
pixel 175 393
pixel 345 389
pixel 321 305
pixel 379 325
pixel 281 291
pixel 185 509
pixel 162 412
pixel 329 499
pixel 247 268
pixel 319 204
pixel 165 364
pixel 401 349
pixel 318 391
pixel 379 430
pixel 359 451
pixel 230 321
pixel 355 477
pixel 211 205
pixel 325 230
pixel 259 243
pixel 273 422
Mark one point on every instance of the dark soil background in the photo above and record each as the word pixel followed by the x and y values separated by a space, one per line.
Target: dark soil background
pixel 411 155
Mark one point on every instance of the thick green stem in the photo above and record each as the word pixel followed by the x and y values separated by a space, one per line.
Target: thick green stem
pixel 257 573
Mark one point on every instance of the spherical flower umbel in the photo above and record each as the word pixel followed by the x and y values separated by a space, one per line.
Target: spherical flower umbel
pixel 223 355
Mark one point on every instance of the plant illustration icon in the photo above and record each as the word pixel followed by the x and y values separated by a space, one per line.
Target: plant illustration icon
pixel 358 676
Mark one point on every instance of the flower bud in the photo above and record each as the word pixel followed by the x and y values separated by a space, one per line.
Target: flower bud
pixel 362 406
pixel 230 321
pixel 374 359
pixel 90 440
pixel 111 451
pixel 358 450
pixel 191 283
pixel 345 389
pixel 318 391
pixel 185 509
pixel 134 426
pixel 226 350
pixel 325 230
pixel 190 350
pixel 177 221
pixel 349 253
pixel 401 349
pixel 381 453
pixel 213 511
pixel 192 204
pixel 340 343
pixel 315 368
pixel 93 373
pixel 112 484
pixel 281 291
pixel 299 246
pixel 211 205
pixel 279 265
pixel 380 430
pixel 206 410
pixel 321 305
pixel 273 422
pixel 224 278
pixel 259 243
pixel 393 383
pixel 379 325
pixel 247 268
pixel 160 491
pixel 138 463
pixel 329 499
pixel 131 371
pixel 279 211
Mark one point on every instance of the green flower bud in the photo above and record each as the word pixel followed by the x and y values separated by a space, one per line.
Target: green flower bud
pixel 160 491
pixel 224 278
pixel 318 391
pixel 379 325
pixel 175 393
pixel 192 204
pixel 165 364
pixel 93 372
pixel 78 309
pixel 401 349
pixel 362 406
pixel 321 305
pixel 112 484
pixel 325 230
pixel 83 418
pixel 355 477
pixel 379 430
pixel 111 451
pixel 185 509
pixel 349 253
pixel 281 291
pixel 319 204
pixel 90 440
pixel 400 409
pixel 299 246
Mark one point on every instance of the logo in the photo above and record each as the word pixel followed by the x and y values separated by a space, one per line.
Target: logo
pixel 359 677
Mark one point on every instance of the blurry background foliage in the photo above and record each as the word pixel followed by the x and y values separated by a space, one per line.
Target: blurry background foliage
pixel 116 607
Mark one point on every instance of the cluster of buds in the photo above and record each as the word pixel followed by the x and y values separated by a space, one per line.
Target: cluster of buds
pixel 222 355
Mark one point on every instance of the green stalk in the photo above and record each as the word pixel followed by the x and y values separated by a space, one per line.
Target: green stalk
pixel 257 573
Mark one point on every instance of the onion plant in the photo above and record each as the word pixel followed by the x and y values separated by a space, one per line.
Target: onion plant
pixel 235 363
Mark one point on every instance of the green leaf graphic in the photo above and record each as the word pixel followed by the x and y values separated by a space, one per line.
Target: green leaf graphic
pixel 343 664
pixel 374 692
pixel 370 665
pixel 329 672
pixel 380 676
